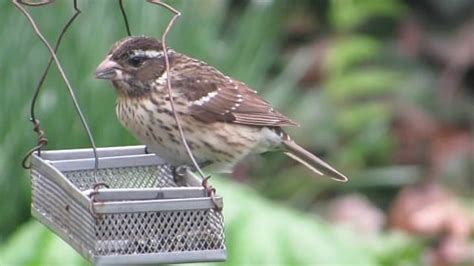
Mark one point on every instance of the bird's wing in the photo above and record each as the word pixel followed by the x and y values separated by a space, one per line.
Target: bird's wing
pixel 216 97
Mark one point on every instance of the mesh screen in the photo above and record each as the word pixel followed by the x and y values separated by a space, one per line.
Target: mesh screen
pixel 125 177
pixel 61 209
pixel 156 232
pixel 127 233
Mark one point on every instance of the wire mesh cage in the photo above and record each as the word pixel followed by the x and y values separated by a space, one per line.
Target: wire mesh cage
pixel 145 216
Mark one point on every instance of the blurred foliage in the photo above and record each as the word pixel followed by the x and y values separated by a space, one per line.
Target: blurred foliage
pixel 257 233
pixel 348 70
pixel 348 14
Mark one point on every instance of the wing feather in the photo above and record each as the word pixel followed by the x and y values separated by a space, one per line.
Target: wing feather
pixel 216 97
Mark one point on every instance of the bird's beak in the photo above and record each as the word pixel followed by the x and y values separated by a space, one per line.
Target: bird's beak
pixel 108 69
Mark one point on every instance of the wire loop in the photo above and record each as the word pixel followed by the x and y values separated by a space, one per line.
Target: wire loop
pixel 92 195
pixel 42 141
pixel 211 193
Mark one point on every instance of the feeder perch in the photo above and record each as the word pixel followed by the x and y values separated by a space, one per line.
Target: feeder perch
pixel 144 217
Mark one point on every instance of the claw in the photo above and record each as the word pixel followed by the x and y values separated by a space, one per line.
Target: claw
pixel 182 170
pixel 179 173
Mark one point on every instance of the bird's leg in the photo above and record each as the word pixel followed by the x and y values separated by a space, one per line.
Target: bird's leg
pixel 180 170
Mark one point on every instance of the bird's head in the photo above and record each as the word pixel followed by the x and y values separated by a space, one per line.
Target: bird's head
pixel 133 64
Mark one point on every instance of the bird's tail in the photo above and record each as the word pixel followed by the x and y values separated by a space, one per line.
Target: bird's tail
pixel 311 161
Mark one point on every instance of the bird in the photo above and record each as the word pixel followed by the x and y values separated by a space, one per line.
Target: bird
pixel 223 120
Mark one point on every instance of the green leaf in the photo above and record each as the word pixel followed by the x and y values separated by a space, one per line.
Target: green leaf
pixel 358 117
pixel 348 14
pixel 361 83
pixel 349 51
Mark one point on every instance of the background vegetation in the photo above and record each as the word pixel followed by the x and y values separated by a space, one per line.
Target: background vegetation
pixel 383 90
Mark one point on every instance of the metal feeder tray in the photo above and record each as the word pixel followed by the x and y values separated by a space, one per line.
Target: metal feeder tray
pixel 143 218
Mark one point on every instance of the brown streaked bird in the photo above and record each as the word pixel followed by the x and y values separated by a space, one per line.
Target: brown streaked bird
pixel 222 118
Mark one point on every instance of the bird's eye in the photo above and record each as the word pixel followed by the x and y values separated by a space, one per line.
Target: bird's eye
pixel 136 61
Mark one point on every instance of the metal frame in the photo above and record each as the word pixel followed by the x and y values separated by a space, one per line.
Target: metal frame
pixel 49 172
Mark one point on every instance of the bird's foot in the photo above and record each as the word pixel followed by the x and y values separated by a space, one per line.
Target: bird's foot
pixel 180 172
pixel 179 176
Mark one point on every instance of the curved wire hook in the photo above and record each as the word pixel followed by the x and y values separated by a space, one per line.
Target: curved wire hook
pixel 18 4
pixel 211 191
pixel 42 140
pixel 168 81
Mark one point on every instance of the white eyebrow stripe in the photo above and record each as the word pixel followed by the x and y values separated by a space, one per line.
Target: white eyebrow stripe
pixel 147 53
pixel 151 53
pixel 206 98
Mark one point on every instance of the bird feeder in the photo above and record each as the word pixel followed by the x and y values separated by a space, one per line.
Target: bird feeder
pixel 145 212
pixel 145 216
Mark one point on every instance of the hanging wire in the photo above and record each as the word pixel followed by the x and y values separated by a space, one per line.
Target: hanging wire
pixel 125 19
pixel 18 4
pixel 211 191
pixel 42 140
pixel 168 82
